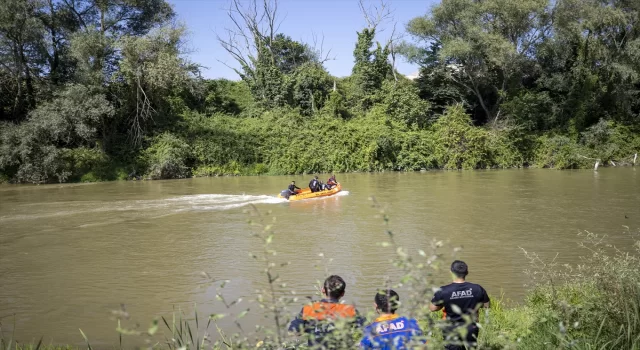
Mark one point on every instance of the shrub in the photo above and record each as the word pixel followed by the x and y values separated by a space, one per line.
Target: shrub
pixel 167 157
pixel 89 164
pixel 459 145
pixel 558 152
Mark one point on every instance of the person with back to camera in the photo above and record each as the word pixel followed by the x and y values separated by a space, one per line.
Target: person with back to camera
pixel 389 331
pixel 460 300
pixel 314 184
pixel 317 319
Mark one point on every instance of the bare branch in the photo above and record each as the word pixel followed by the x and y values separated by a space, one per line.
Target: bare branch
pixel 319 49
pixel 392 51
pixel 144 112
pixel 233 69
pixel 255 26
pixel 376 14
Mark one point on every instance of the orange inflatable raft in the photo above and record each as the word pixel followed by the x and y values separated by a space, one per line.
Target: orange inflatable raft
pixel 306 193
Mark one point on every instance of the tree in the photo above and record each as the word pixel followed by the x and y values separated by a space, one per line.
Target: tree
pixel 290 54
pixel 21 35
pixel 433 82
pixel 267 59
pixel 486 46
pixel 311 87
pixel 36 150
pixel 151 66
pixel 371 67
pixel 590 66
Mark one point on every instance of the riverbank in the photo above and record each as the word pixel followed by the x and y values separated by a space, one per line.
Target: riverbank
pixel 223 145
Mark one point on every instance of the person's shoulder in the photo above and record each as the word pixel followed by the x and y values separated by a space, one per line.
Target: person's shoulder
pixel 409 322
pixel 474 285
pixel 447 286
pixel 368 329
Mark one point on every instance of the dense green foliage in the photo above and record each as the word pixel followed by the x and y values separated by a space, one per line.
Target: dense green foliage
pixel 95 90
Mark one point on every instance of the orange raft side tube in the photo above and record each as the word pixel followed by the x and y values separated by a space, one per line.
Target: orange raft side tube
pixel 306 193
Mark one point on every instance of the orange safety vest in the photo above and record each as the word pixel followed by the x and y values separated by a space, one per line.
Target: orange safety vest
pixel 323 310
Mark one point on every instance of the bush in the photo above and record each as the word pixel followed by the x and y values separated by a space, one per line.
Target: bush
pixel 42 148
pixel 559 152
pixel 459 145
pixel 89 164
pixel 417 151
pixel 167 157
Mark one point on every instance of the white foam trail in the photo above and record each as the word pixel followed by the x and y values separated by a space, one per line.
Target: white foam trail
pixel 224 202
pixel 154 207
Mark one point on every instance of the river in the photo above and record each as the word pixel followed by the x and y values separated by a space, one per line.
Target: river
pixel 71 253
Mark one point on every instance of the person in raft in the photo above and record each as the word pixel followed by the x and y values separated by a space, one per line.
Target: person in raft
pixel 331 183
pixel 460 300
pixel 314 184
pixel 292 188
pixel 389 331
pixel 316 320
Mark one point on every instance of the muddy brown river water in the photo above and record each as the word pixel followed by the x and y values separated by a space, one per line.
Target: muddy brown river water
pixel 69 254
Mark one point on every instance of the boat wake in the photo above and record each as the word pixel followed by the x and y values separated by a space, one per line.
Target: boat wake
pixel 220 201
pixel 142 208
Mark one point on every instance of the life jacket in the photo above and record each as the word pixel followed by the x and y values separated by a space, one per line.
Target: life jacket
pixel 320 317
pixel 323 310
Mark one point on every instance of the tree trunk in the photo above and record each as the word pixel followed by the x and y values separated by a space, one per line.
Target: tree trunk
pixel 54 62
pixel 28 79
pixel 17 102
pixel 476 91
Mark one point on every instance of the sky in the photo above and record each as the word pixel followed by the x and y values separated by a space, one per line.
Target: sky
pixel 336 20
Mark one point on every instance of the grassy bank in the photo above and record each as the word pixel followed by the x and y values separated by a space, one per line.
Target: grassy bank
pixel 282 143
pixel 594 305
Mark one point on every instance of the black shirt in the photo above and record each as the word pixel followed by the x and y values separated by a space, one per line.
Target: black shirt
pixel 469 297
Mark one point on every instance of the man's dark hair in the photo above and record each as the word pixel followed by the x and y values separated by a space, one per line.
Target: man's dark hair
pixel 293 182
pixel 387 301
pixel 460 269
pixel 334 287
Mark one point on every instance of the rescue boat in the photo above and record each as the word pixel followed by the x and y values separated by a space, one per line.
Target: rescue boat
pixel 306 193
